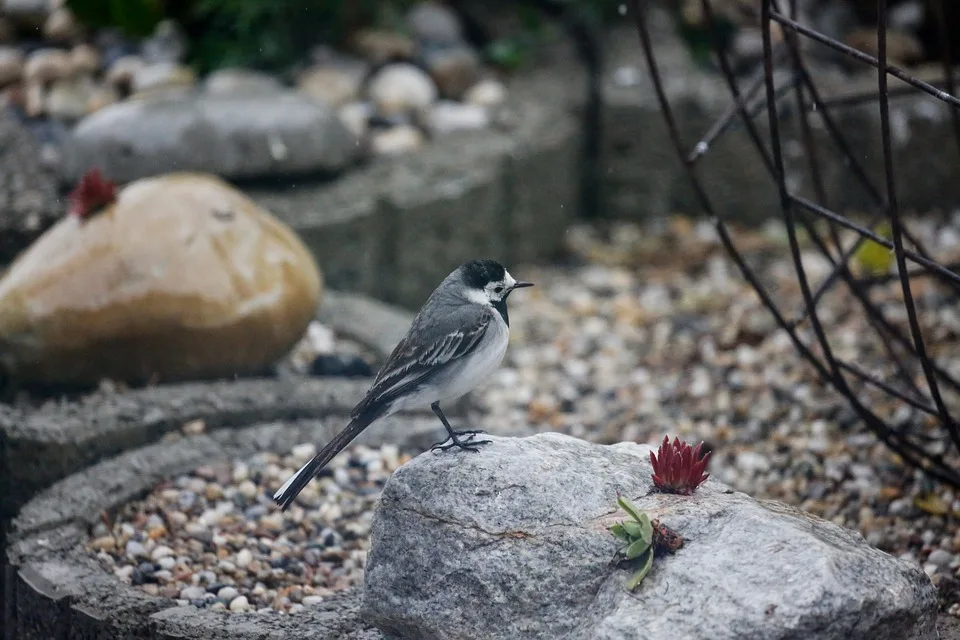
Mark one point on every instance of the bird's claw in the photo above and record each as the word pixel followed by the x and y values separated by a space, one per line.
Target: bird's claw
pixel 467 444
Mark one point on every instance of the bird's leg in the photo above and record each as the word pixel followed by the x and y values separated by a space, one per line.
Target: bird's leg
pixel 468 443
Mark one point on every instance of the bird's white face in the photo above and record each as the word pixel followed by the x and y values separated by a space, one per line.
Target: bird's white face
pixel 493 292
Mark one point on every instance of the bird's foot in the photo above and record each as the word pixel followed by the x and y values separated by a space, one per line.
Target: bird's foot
pixel 467 444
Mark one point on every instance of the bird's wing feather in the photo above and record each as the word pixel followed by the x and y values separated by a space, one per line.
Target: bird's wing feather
pixel 415 360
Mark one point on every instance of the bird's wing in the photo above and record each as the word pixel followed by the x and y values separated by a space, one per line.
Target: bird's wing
pixel 424 352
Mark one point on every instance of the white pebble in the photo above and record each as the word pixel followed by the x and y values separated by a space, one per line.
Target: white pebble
pixel 309 601
pixel 161 552
pixel 244 558
pixel 228 594
pixel 239 603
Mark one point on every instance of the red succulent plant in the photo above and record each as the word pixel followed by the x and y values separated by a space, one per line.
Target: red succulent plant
pixel 678 467
pixel 91 193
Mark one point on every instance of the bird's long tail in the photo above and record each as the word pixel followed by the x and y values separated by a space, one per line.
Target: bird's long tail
pixel 292 487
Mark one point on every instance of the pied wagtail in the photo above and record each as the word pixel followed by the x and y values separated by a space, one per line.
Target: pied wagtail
pixel 457 339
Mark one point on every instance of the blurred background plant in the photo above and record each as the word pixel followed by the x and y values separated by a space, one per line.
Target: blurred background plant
pixel 271 35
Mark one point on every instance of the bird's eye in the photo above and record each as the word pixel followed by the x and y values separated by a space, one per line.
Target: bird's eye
pixel 498 289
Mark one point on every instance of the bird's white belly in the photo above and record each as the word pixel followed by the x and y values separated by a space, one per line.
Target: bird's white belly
pixel 472 371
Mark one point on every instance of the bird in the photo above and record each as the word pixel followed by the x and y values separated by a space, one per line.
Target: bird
pixel 455 341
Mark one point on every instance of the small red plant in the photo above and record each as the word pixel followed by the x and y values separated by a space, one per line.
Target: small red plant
pixel 678 467
pixel 91 193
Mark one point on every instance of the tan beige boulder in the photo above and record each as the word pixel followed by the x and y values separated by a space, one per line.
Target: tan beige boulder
pixel 181 277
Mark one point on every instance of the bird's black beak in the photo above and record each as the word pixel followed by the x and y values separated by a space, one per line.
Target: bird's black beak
pixel 521 285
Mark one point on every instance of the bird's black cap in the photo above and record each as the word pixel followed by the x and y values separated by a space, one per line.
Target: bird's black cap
pixel 479 273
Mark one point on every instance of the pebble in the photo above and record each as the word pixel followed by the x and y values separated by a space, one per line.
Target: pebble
pixel 221 556
pixel 228 594
pixel 448 117
pixel 434 23
pixel 239 603
pixel 401 87
pixel 454 69
pixel 397 141
pixel 11 65
pixel 486 93
pixel 244 558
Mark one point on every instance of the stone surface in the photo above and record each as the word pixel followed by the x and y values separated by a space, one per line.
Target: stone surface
pixel 179 265
pixel 247 136
pixel 237 81
pixel 512 542
pixel 29 197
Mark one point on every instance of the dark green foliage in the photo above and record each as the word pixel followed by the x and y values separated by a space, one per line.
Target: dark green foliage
pixel 135 18
pixel 272 35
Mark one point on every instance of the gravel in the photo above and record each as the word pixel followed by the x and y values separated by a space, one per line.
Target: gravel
pixel 646 331
pixel 202 541
pixel 652 331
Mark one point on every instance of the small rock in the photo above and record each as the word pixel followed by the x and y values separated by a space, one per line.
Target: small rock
pixel 310 601
pixel 192 593
pixel 356 117
pixel 239 603
pixel 61 26
pixel 121 73
pixel 486 93
pixel 161 552
pixel 135 550
pixel 11 65
pixel 244 558
pixel 382 46
pixel 46 65
pixel 343 366
pixel 448 117
pixel 940 558
pixel 454 69
pixel 26 13
pixel 248 489
pixel 331 86
pixel 237 81
pixel 104 543
pixel 434 23
pixel 397 141
pixel 84 59
pixel 228 594
pixel 167 563
pixel 167 44
pixel 163 76
pixel 304 451
pixel 69 99
pixel 402 87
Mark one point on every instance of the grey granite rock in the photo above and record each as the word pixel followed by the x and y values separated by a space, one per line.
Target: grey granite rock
pixel 512 543
pixel 233 136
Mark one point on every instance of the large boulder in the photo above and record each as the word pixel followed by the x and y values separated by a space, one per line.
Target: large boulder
pixel 182 277
pixel 512 542
pixel 241 136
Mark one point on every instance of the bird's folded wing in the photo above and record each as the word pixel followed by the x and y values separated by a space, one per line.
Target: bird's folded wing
pixel 416 359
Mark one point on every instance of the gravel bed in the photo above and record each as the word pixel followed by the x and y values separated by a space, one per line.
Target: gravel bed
pixel 652 331
pixel 213 538
pixel 646 331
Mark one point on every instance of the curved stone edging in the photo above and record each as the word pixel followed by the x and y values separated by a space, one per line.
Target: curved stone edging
pixel 55 589
pixel 38 447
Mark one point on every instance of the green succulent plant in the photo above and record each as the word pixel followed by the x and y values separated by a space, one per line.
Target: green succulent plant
pixel 637 537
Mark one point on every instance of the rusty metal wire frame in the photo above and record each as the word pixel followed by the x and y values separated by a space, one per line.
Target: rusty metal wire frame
pixel 934 449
